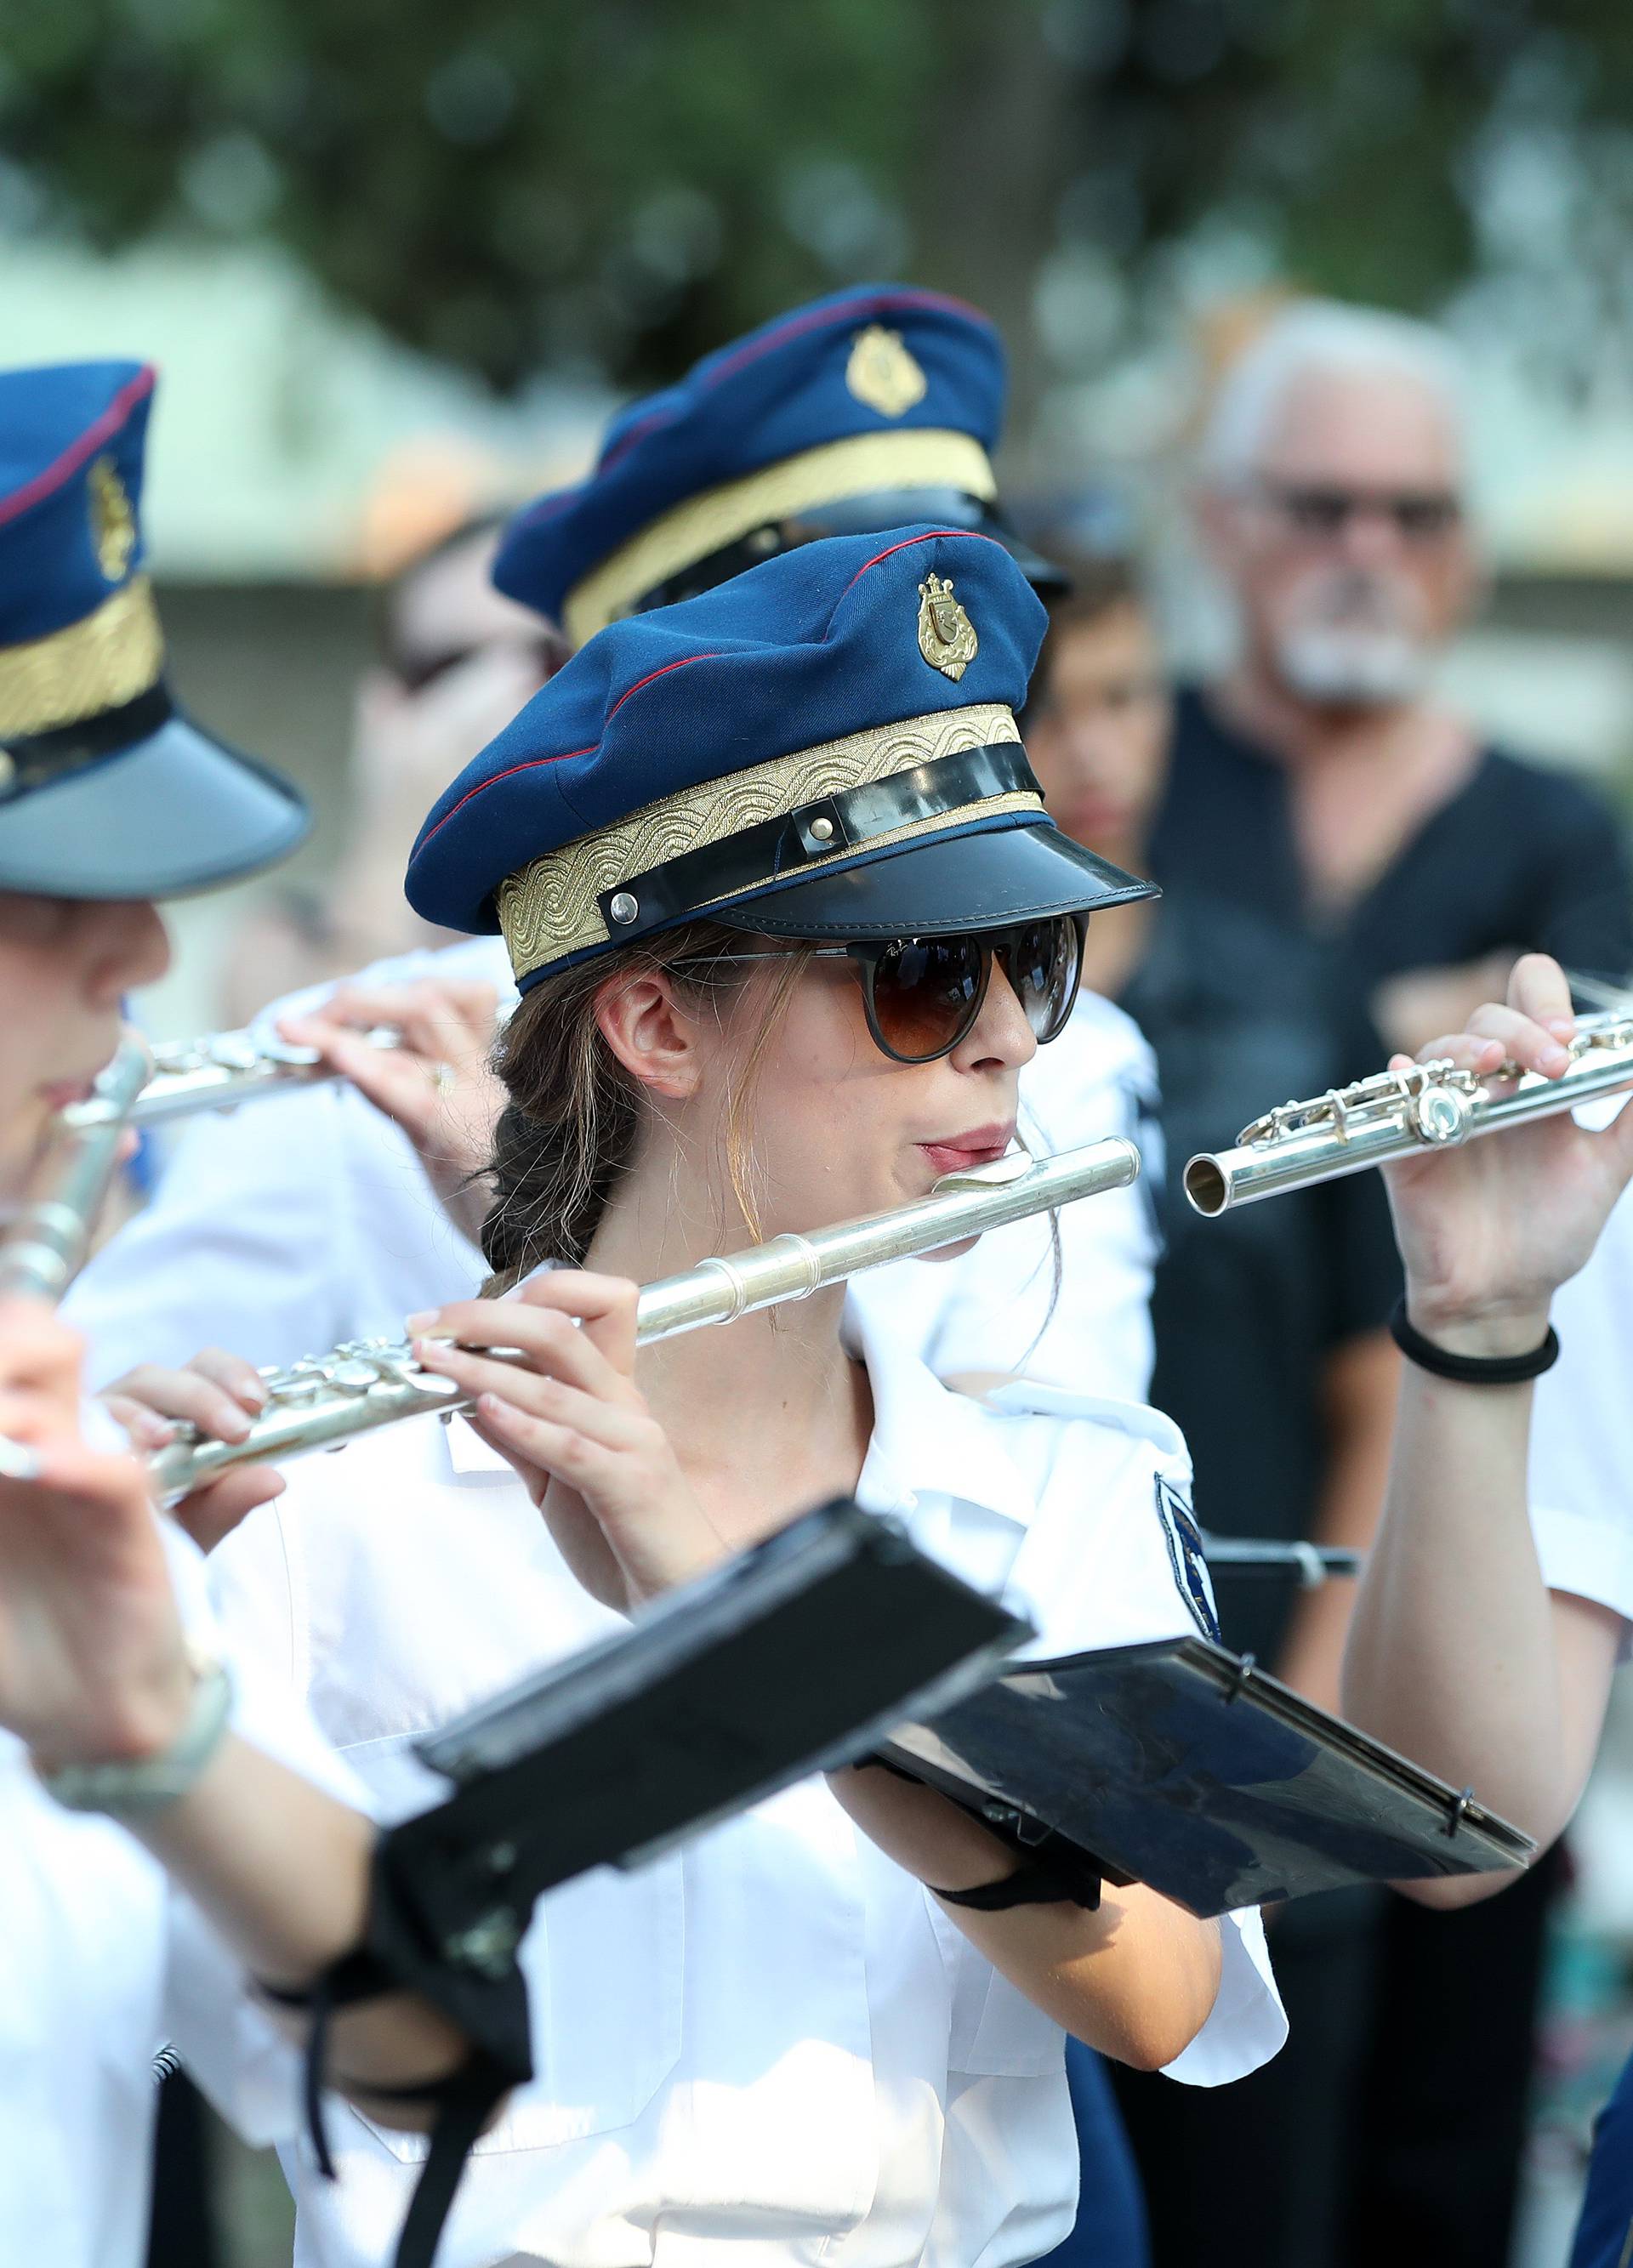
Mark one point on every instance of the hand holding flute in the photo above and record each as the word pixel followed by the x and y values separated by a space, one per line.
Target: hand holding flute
pixel 1490 1230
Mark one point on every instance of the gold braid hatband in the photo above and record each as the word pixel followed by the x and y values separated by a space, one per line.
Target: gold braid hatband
pixel 924 457
pixel 550 911
pixel 100 662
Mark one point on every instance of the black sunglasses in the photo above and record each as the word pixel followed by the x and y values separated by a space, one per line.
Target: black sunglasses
pixel 923 994
pixel 1315 509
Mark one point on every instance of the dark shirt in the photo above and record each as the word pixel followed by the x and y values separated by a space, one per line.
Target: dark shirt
pixel 1518 858
pixel 1247 1308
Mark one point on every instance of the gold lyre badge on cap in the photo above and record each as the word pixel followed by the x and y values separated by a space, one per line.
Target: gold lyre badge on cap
pixel 112 523
pixel 947 636
pixel 882 373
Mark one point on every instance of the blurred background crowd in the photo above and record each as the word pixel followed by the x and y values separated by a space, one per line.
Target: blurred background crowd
pixel 1320 325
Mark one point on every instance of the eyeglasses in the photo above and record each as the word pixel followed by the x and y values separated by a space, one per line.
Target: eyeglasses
pixel 1314 509
pixel 923 994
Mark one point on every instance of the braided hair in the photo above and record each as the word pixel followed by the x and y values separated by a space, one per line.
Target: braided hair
pixel 570 1127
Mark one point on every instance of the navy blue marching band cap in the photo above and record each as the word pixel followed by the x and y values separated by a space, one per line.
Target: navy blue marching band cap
pixel 825 746
pixel 876 408
pixel 107 790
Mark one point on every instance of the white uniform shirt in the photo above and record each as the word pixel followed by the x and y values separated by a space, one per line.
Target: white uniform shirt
pixel 1581 1480
pixel 283 1228
pixel 772 2040
pixel 102 1963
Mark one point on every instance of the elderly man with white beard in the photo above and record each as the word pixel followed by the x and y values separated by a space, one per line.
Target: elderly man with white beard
pixel 1321 779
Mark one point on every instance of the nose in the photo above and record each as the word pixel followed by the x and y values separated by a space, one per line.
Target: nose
pixel 1371 536
pixel 1000 1038
pixel 123 944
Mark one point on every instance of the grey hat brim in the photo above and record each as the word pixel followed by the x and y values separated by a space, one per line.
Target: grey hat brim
pixel 985 879
pixel 178 811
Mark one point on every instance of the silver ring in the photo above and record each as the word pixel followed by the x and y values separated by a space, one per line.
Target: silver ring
pixel 443 1077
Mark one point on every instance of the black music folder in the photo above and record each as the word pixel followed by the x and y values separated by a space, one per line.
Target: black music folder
pixel 1184 1766
pixel 799 1655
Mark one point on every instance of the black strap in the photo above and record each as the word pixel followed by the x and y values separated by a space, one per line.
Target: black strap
pixel 1471 1369
pixel 465 2100
pixel 1031 1885
pixel 473 1978
pixel 41 759
pixel 826 828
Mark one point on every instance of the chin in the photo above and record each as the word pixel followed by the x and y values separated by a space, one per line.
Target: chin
pixel 1354 670
pixel 951 1251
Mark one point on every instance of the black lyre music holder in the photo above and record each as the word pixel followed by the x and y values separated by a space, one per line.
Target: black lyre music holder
pixel 1186 1767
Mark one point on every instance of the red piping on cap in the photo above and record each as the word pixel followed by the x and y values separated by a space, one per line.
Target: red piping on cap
pixel 931 535
pixel 565 755
pixel 116 415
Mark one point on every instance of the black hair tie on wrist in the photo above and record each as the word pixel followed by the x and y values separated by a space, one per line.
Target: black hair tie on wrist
pixel 1471 1369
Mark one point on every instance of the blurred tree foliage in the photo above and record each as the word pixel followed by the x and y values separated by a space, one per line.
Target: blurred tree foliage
pixel 625 182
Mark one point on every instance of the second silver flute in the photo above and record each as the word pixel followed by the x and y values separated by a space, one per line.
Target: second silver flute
pixel 321 1403
pixel 1397 1114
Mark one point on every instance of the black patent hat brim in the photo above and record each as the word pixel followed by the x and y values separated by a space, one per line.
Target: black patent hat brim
pixel 178 811
pixel 983 879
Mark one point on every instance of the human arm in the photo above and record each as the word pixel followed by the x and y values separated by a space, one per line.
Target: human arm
pixel 1360 1381
pixel 94 1668
pixel 1136 1978
pixel 1457 1653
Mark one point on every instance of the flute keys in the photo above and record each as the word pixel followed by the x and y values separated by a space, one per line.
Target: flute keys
pixel 354 1375
pixel 1441 1115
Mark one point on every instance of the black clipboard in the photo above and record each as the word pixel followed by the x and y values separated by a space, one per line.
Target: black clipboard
pixel 796 1656
pixel 1182 1766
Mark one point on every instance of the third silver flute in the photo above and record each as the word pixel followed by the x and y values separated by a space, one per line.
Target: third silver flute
pixel 1429 1105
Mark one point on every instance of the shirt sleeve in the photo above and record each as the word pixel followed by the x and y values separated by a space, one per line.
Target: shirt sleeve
pixel 1581 1484
pixel 1110 1560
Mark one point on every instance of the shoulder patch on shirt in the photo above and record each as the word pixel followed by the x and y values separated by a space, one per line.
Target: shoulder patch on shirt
pixel 1185 1557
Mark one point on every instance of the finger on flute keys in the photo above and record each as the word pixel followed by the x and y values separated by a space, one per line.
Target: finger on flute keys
pixel 1529 1029
pixel 572 1326
pixel 218 1392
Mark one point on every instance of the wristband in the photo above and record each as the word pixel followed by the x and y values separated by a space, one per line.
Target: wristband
pixel 1471 1369
pixel 1035 1885
pixel 130 1791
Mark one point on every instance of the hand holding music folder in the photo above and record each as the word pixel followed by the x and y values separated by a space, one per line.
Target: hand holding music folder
pixel 1180 1765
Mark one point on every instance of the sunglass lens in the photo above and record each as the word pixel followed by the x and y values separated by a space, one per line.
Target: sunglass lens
pixel 926 992
pixel 1041 960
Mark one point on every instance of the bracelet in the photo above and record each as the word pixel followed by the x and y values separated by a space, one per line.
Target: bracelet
pixel 1471 1369
pixel 132 1790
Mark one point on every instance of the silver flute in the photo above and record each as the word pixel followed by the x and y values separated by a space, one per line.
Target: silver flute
pixel 1398 1114
pixel 323 1402
pixel 43 1245
pixel 220 1070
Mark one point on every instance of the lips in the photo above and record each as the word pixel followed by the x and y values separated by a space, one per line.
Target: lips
pixel 58 1094
pixel 980 1146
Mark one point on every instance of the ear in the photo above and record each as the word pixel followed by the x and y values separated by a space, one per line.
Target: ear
pixel 653 1036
